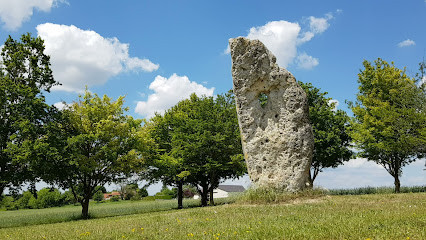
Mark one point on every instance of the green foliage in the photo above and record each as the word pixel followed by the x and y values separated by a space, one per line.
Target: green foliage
pixel 166 192
pixel 114 199
pixel 331 131
pixel 390 117
pixel 92 145
pixel 142 192
pixel 98 196
pixel 25 75
pixel 199 143
pixel 263 99
pixel 26 201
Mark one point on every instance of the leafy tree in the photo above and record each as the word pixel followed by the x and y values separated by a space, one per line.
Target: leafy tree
pixel 93 144
pixel 25 75
pixel 98 196
pixel 142 192
pixel 199 142
pixel 331 131
pixel 390 117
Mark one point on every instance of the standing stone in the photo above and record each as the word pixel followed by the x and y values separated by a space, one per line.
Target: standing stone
pixel 273 115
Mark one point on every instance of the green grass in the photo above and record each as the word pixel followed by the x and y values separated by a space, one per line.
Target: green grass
pixel 27 217
pixel 375 190
pixel 374 216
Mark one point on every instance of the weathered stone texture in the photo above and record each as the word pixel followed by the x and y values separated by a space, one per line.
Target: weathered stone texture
pixel 277 137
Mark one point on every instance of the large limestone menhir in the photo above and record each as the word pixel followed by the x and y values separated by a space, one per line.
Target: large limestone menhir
pixel 273 115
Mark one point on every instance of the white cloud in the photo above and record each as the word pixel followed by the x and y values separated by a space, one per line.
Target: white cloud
pixel 168 92
pixel 60 105
pixel 336 103
pixel 306 62
pixel 280 38
pixel 14 12
pixel 283 38
pixel 406 43
pixel 83 57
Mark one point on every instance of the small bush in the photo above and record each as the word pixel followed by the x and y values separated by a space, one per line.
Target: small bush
pixel 262 195
pixel 114 199
pixel 98 196
pixel 163 197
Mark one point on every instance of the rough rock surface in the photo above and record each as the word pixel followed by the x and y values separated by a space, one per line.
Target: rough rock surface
pixel 273 115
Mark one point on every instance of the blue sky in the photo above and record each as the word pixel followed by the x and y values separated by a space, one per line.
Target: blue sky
pixel 158 52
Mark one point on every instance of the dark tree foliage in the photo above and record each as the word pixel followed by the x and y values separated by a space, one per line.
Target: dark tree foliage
pixel 24 75
pixel 199 143
pixel 331 131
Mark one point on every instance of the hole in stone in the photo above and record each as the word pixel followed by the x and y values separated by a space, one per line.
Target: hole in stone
pixel 261 143
pixel 258 170
pixel 266 140
pixel 276 115
pixel 263 99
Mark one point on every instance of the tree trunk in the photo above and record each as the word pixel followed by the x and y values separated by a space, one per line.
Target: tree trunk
pixel 204 195
pixel 397 183
pixel 211 196
pixel 33 190
pixel 1 191
pixel 85 208
pixel 180 194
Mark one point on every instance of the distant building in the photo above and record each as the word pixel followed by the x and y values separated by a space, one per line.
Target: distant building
pixel 107 196
pixel 224 191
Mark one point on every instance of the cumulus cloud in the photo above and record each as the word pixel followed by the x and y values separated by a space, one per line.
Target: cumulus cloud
pixel 406 43
pixel 168 92
pixel 283 38
pixel 14 12
pixel 306 62
pixel 84 57
pixel 280 38
pixel 60 105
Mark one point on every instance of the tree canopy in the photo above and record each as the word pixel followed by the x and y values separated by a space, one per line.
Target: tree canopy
pixel 199 143
pixel 390 117
pixel 331 131
pixel 24 75
pixel 94 144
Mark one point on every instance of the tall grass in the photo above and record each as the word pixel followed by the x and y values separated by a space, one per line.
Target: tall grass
pixel 262 195
pixel 375 190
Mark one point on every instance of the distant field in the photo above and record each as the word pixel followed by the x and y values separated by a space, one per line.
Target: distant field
pixel 374 216
pixel 27 217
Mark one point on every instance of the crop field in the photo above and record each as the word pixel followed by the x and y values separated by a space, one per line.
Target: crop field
pixel 373 216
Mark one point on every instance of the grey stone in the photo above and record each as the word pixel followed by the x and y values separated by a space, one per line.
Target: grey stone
pixel 276 136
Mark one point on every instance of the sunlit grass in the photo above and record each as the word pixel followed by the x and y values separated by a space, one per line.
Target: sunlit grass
pixel 380 216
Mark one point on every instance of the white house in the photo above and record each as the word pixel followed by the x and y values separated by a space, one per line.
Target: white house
pixel 223 191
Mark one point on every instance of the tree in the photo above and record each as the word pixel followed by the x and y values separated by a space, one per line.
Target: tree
pixel 93 144
pixel 390 117
pixel 200 139
pixel 98 196
pixel 24 75
pixel 331 131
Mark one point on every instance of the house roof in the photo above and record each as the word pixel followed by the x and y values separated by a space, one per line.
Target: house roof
pixel 231 188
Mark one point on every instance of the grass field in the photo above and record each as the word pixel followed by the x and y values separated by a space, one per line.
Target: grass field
pixel 375 216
